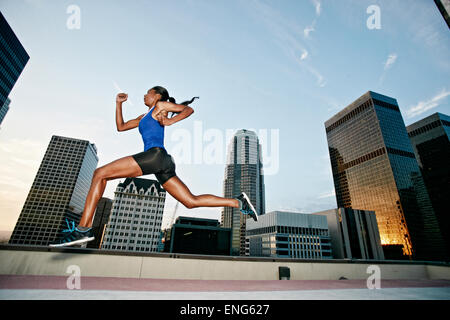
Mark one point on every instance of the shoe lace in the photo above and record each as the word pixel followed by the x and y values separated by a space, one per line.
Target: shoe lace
pixel 70 226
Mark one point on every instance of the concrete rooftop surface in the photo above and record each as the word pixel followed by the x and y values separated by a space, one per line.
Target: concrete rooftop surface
pixel 29 273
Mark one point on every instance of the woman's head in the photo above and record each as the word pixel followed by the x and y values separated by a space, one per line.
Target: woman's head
pixel 159 93
pixel 156 94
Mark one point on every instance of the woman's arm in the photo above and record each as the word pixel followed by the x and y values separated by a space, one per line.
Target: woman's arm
pixel 166 106
pixel 121 125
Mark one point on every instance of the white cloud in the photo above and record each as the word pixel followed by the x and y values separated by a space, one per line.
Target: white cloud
pixel 304 55
pixel 390 61
pixel 287 35
pixel 424 106
pixel 318 6
pixel 308 30
pixel 328 194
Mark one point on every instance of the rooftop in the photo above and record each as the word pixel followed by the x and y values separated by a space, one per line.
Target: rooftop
pixel 45 273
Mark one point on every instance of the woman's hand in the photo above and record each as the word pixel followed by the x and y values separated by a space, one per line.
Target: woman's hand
pixel 162 118
pixel 121 97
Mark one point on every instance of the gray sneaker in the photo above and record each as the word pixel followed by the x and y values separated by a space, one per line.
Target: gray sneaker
pixel 247 207
pixel 73 236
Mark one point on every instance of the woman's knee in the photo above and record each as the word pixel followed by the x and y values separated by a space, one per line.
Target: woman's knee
pixel 100 174
pixel 191 202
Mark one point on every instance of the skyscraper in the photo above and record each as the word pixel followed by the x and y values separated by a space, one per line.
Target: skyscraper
pixel 58 191
pixel 101 218
pixel 4 109
pixel 135 220
pixel 431 144
pixel 374 168
pixel 243 173
pixel 13 59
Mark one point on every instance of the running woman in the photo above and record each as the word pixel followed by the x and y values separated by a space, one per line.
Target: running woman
pixel 154 160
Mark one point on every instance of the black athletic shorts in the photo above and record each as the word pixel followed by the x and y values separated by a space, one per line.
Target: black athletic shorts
pixel 156 161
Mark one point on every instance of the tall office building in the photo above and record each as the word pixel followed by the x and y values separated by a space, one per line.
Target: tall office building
pixel 101 218
pixel 289 235
pixel 431 144
pixel 354 233
pixel 374 168
pixel 4 109
pixel 243 173
pixel 58 191
pixel 13 59
pixel 135 220
pixel 444 8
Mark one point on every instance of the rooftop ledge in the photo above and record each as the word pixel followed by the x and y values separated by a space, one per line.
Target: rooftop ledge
pixel 19 260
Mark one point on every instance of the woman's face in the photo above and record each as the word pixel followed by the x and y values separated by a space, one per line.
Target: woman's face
pixel 151 98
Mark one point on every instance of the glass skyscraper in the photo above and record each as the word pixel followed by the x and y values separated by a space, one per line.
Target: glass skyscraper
pixel 58 192
pixel 243 173
pixel 4 109
pixel 13 59
pixel 430 138
pixel 374 168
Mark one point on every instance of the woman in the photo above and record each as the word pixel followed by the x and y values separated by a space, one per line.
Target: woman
pixel 154 160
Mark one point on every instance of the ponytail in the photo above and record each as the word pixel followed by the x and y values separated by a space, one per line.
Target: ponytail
pixel 165 97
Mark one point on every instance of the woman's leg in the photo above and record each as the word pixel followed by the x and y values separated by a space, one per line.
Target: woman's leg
pixel 179 191
pixel 125 167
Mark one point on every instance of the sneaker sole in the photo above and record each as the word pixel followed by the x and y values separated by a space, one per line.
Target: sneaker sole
pixel 251 206
pixel 68 244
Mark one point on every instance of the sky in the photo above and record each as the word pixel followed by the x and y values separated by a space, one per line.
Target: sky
pixel 281 68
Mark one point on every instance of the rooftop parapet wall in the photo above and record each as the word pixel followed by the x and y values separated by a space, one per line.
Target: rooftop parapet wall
pixel 16 260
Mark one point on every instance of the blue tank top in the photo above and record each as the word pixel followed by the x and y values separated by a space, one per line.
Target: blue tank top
pixel 152 131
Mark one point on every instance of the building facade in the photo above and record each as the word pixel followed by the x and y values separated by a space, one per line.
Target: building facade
pixel 101 218
pixel 374 168
pixel 354 233
pixel 289 235
pixel 4 109
pixel 136 216
pixel 13 59
pixel 200 236
pixel 430 138
pixel 59 191
pixel 243 173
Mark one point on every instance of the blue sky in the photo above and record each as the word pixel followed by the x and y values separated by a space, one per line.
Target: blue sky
pixel 267 65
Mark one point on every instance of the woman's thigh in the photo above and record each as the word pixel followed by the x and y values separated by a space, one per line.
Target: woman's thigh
pixel 125 167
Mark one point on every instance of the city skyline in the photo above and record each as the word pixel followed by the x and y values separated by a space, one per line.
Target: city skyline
pixel 288 68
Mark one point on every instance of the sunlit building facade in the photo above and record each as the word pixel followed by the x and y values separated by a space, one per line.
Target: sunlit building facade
pixel 374 168
pixel 354 234
pixel 58 192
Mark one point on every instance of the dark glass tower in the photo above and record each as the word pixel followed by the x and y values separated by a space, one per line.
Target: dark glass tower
pixel 430 140
pixel 13 59
pixel 374 168
pixel 101 218
pixel 243 173
pixel 58 192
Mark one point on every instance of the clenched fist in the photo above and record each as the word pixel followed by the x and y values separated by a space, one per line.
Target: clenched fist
pixel 121 97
